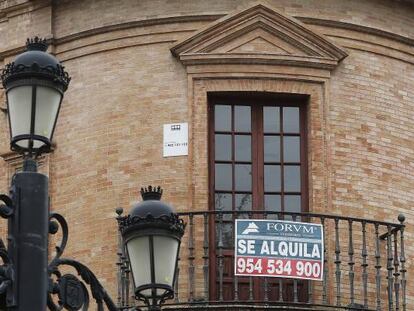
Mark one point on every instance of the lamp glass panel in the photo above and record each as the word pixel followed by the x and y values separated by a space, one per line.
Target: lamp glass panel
pixel 165 257
pixel 20 110
pixel 47 108
pixel 139 257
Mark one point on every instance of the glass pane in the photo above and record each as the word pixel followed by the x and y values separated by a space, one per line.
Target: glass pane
pixel 20 111
pixel 139 257
pixel 271 119
pixel 223 178
pixel 272 178
pixel 165 247
pixel 273 204
pixel 47 106
pixel 243 148
pixel 243 177
pixel 224 202
pixel 242 119
pixel 291 120
pixel 222 118
pixel 292 203
pixel 226 229
pixel 222 147
pixel 243 203
pixel 292 178
pixel 291 149
pixel 272 149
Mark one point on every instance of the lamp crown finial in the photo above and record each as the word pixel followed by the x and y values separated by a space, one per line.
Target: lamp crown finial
pixel 151 193
pixel 36 44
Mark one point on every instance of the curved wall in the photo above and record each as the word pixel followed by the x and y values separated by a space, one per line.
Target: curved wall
pixel 126 84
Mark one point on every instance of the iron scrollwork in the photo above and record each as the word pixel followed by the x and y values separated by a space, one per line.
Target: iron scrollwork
pixel 6 209
pixel 6 270
pixel 71 292
pixel 6 275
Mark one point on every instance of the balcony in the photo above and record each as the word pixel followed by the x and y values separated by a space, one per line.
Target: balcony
pixel 364 267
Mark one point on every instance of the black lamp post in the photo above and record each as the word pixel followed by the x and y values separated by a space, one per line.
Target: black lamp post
pixel 35 83
pixel 152 233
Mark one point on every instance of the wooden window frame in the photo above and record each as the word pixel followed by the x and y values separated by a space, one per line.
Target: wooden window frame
pixel 254 100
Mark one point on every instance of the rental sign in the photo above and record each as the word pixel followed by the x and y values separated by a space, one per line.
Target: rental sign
pixel 276 248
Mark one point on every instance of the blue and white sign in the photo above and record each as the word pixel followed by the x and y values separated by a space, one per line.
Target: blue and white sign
pixel 276 248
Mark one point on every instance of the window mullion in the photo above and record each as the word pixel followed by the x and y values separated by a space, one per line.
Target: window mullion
pixel 233 167
pixel 282 160
pixel 259 156
pixel 253 158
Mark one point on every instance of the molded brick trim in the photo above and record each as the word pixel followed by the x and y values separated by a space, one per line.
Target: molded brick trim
pixel 259 35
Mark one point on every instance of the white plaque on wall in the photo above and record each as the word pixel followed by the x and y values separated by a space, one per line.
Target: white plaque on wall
pixel 175 139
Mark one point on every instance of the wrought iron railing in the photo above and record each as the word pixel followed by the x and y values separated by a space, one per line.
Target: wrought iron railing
pixel 364 267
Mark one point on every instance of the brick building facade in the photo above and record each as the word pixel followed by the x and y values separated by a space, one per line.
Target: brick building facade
pixel 137 65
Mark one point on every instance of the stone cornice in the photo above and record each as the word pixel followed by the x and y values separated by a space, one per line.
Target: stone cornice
pixel 12 156
pixel 116 27
pixel 211 17
pixel 10 6
pixel 135 24
pixel 14 50
pixel 307 48
pixel 258 59
pixel 13 8
pixel 357 28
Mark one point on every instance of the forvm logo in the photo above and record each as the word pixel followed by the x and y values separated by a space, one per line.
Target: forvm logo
pixel 251 228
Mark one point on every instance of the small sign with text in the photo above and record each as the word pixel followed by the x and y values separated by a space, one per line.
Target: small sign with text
pixel 175 139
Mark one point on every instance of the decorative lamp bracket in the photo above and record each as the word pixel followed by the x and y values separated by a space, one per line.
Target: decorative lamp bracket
pixel 70 289
pixel 6 209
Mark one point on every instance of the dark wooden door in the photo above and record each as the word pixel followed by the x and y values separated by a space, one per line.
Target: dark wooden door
pixel 257 151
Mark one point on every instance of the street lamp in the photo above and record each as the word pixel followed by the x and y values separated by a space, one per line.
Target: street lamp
pixel 35 83
pixel 152 233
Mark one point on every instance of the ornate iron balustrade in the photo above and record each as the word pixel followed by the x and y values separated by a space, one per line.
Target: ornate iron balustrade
pixel 364 267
